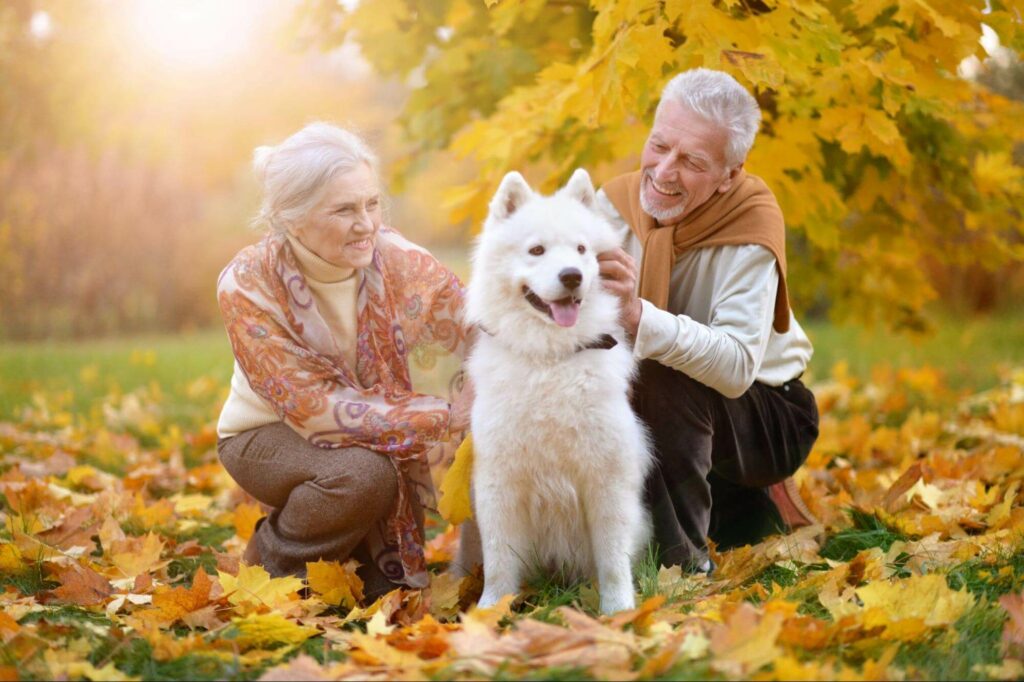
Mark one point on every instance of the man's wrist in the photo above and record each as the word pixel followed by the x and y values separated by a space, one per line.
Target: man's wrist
pixel 631 319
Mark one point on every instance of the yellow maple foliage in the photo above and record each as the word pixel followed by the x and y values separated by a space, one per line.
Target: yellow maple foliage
pixel 455 505
pixel 134 556
pixel 245 517
pixel 926 597
pixel 269 629
pixel 254 589
pixel 746 641
pixel 336 583
pixel 878 150
pixel 173 604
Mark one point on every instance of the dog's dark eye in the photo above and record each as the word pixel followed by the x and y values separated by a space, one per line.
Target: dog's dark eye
pixel 581 248
pixel 537 250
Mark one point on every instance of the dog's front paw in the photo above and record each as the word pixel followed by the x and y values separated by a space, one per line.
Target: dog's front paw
pixel 487 600
pixel 614 602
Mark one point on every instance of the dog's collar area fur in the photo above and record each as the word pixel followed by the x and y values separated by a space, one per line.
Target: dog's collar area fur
pixel 603 342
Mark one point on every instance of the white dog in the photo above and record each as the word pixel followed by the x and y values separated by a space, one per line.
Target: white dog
pixel 560 458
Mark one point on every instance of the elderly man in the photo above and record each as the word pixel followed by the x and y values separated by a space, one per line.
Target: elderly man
pixel 721 353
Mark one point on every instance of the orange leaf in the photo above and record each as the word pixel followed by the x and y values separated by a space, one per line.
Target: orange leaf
pixel 82 586
pixel 8 627
pixel 1013 634
pixel 174 604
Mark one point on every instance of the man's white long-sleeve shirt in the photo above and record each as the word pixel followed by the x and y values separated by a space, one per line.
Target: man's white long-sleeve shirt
pixel 718 326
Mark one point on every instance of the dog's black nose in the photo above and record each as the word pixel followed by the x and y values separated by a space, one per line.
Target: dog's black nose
pixel 570 278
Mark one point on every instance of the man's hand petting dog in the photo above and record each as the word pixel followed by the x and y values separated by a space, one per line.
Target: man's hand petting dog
pixel 618 270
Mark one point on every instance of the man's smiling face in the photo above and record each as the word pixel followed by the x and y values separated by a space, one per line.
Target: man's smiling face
pixel 683 163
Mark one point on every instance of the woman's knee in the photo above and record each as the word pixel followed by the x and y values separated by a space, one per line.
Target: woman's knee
pixel 360 479
pixel 250 460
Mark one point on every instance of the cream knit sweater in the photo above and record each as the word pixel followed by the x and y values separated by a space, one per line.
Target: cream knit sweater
pixel 334 292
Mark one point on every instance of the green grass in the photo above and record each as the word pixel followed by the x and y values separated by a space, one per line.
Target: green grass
pixel 136 658
pixel 81 372
pixel 972 641
pixel 991 576
pixel 867 531
pixel 971 352
pixel 92 369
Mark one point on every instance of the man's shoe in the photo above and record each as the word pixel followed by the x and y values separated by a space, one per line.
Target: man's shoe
pixel 792 509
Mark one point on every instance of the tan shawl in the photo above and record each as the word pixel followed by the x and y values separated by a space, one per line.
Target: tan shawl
pixel 746 213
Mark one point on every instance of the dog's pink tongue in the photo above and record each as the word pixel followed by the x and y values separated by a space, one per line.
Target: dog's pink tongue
pixel 565 312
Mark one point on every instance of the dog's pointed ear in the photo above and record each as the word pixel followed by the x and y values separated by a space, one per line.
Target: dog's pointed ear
pixel 581 188
pixel 512 193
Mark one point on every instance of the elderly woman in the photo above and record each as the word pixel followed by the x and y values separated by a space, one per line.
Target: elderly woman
pixel 322 424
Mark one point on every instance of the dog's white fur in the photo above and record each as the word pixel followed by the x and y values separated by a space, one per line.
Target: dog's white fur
pixel 560 457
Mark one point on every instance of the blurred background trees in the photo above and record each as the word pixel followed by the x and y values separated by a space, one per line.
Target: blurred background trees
pixel 895 171
pixel 126 131
pixel 891 135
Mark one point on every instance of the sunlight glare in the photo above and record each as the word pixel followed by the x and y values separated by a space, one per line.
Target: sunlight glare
pixel 41 25
pixel 193 33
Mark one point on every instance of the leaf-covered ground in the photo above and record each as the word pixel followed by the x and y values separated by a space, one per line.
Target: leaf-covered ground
pixel 121 537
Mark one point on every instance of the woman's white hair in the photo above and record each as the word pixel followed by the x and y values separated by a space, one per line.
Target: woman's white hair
pixel 718 97
pixel 294 174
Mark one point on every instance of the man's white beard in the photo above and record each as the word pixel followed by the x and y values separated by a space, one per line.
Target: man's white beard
pixel 662 215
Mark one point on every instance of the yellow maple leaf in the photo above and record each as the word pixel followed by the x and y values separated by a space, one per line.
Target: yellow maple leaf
pixel 245 517
pixel 253 588
pixel 926 597
pixel 164 644
pixel 455 505
pixel 903 629
pixel 789 668
pixel 87 671
pixel 747 641
pixel 110 533
pixel 135 556
pixel 194 505
pixel 337 584
pixel 152 514
pixel 11 562
pixel 1000 513
pixel 488 618
pixel 444 595
pixel 370 650
pixel 263 629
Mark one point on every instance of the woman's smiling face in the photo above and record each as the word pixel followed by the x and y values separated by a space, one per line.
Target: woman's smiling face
pixel 342 227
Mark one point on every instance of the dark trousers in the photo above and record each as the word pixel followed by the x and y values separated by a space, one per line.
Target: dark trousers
pixel 715 457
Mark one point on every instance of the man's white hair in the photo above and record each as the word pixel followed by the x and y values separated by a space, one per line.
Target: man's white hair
pixel 294 174
pixel 718 97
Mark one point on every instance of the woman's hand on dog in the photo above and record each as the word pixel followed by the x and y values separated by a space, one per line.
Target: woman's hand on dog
pixel 618 270
pixel 462 405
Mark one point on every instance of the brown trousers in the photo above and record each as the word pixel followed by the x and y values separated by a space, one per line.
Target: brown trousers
pixel 324 502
